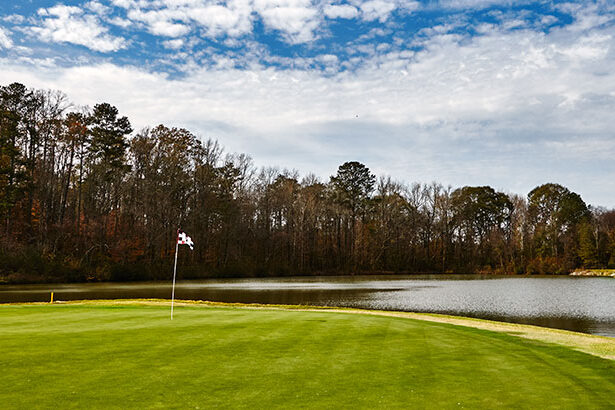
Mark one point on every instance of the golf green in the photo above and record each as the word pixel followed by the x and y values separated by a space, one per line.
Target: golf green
pixel 134 356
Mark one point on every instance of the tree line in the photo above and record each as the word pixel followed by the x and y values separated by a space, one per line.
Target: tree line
pixel 83 197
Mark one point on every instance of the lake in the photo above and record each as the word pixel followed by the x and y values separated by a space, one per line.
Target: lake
pixel 582 304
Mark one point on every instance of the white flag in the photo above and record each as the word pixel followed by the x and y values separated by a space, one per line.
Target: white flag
pixel 184 239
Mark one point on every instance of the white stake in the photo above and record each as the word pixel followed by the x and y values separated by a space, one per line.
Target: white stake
pixel 174 272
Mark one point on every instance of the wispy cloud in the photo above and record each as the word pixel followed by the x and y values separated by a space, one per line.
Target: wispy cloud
pixel 5 39
pixel 69 24
pixel 476 4
pixel 174 44
pixel 297 23
pixel 14 18
pixel 510 99
pixel 345 11
pixel 234 19
pixel 376 10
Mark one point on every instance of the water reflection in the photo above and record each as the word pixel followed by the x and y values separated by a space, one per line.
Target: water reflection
pixel 573 303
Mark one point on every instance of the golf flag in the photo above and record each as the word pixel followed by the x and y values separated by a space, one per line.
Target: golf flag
pixel 183 239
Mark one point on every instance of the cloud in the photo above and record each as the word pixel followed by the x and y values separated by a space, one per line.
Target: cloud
pixel 120 22
pixel 66 24
pixel 5 40
pixel 123 3
pixel 233 20
pixel 97 7
pixel 508 108
pixel 408 6
pixel 376 10
pixel 295 21
pixel 161 22
pixel 344 11
pixel 297 24
pixel 477 4
pixel 173 44
pixel 587 17
pixel 168 29
pixel 14 18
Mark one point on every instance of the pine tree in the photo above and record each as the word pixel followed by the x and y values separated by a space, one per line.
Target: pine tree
pixel 587 246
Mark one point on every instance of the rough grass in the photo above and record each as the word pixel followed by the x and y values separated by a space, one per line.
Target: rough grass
pixel 129 354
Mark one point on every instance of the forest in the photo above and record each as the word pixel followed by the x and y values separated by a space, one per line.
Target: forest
pixel 84 197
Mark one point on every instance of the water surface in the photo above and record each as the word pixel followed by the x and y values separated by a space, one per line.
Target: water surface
pixel 581 304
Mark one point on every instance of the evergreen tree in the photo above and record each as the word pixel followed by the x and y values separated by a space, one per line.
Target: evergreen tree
pixel 588 251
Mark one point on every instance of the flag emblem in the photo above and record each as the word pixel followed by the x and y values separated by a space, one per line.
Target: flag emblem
pixel 183 239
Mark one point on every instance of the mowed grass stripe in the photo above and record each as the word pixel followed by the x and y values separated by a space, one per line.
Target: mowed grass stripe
pixel 105 356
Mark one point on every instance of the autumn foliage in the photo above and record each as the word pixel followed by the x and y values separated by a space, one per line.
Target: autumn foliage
pixel 84 197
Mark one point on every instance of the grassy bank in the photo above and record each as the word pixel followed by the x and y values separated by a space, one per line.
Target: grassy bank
pixel 130 354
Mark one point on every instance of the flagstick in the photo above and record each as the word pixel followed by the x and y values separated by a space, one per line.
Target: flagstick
pixel 174 272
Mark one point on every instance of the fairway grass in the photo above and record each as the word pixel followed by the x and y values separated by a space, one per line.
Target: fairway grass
pixel 129 354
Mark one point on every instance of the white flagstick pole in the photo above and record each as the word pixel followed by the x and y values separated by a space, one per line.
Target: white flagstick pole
pixel 174 272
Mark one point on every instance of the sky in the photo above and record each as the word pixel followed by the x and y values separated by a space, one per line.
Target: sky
pixel 511 94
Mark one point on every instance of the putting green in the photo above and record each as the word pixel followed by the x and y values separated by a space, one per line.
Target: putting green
pixel 132 355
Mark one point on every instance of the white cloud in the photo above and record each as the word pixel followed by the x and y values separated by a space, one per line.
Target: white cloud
pixel 14 18
pixel 344 11
pixel 502 108
pixel 297 24
pixel 123 3
pixel 173 44
pixel 5 40
pixel 587 18
pixel 548 20
pixel 377 10
pixel 176 18
pixel 168 29
pixel 328 58
pixel 477 4
pixel 71 25
pixel 296 20
pixel 120 22
pixel 161 22
pixel 97 7
pixel 408 6
pixel 233 20
pixel 515 23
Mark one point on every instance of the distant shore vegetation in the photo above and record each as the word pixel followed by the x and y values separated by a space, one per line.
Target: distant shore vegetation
pixel 83 197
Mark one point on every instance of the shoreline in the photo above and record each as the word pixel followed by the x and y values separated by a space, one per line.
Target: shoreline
pixel 600 346
pixel 602 273
pixel 595 273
